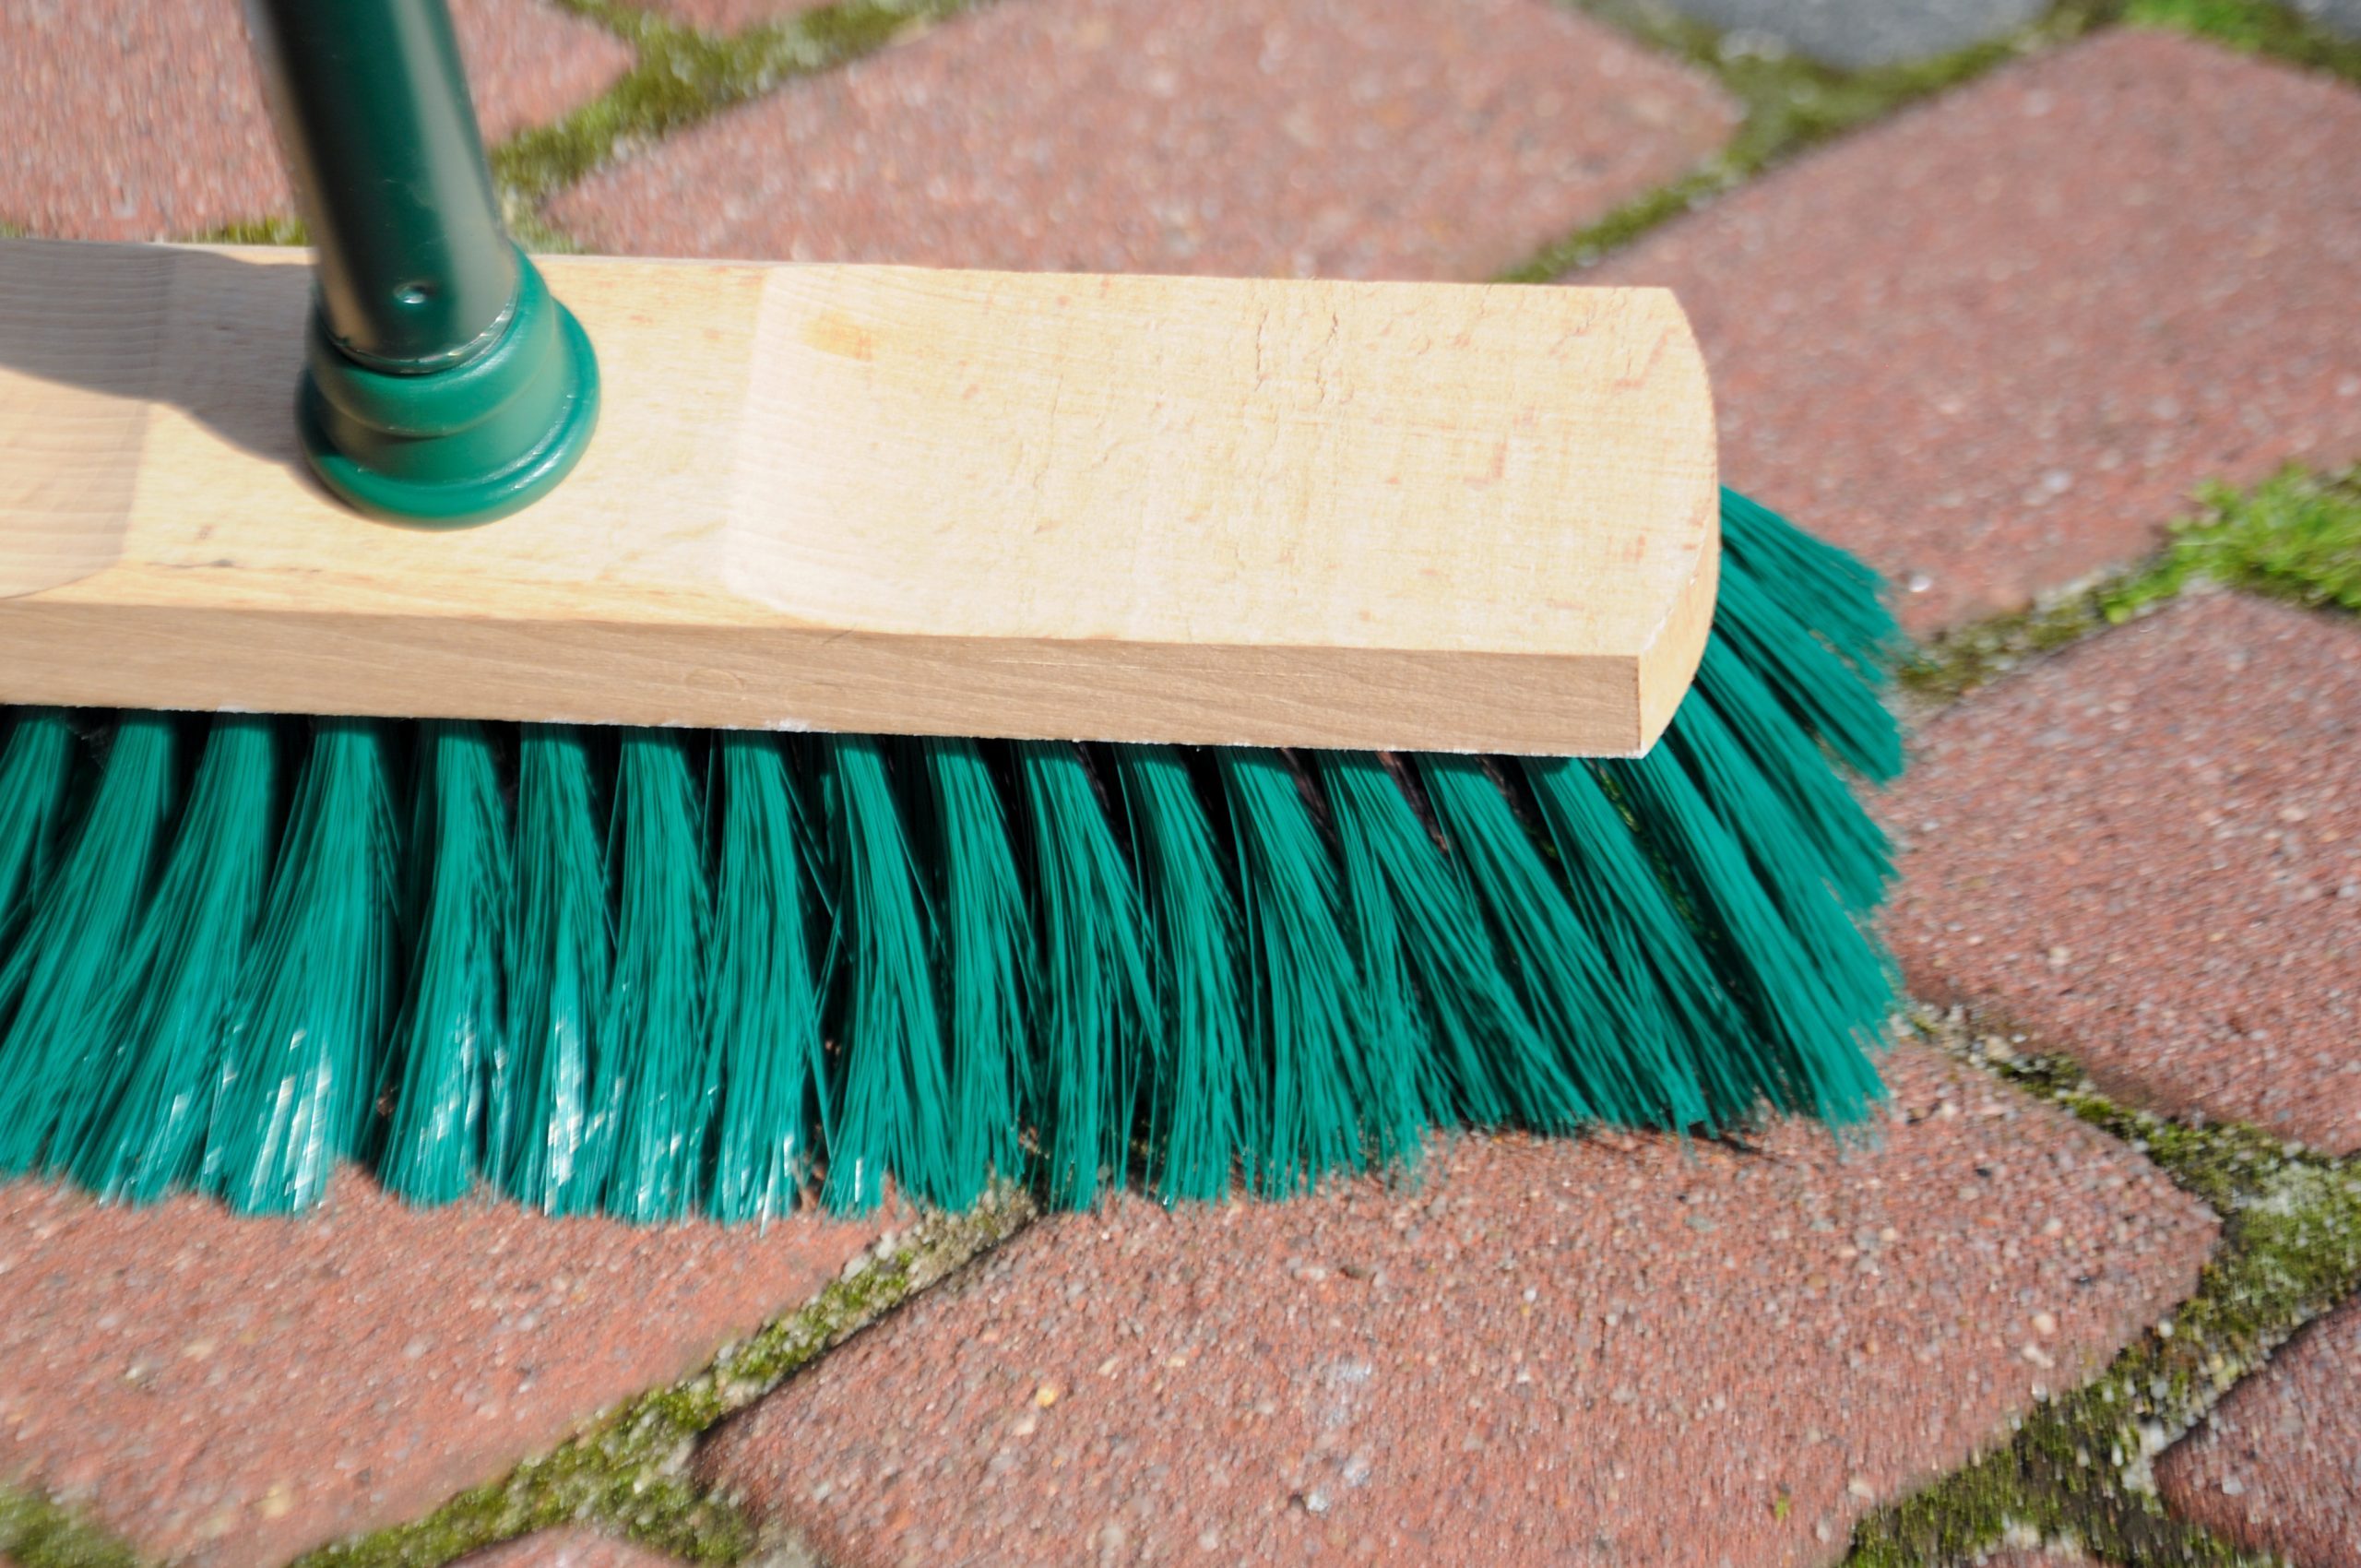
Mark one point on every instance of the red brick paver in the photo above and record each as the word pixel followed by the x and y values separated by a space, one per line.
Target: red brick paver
pixel 565 1549
pixel 2277 1467
pixel 130 120
pixel 1611 1350
pixel 1407 139
pixel 237 1389
pixel 1994 343
pixel 2148 852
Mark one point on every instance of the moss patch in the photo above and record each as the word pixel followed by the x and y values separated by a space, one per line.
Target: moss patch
pixel 2078 1467
pixel 627 1474
pixel 2254 26
pixel 680 77
pixel 38 1533
pixel 1790 103
pixel 683 76
pixel 2296 536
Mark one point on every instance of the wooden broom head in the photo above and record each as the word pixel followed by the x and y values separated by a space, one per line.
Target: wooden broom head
pixel 1433 517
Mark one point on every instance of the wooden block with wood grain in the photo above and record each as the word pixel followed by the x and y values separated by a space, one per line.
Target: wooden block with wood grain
pixel 882 498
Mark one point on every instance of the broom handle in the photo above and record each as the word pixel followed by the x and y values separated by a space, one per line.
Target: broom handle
pixel 415 272
pixel 443 386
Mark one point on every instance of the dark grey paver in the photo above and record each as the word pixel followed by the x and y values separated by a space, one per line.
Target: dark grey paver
pixel 1867 32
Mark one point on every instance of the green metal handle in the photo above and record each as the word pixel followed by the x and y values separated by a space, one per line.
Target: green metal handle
pixel 444 384
pixel 415 271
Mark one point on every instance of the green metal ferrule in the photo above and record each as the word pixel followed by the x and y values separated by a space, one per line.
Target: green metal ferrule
pixel 448 448
pixel 444 384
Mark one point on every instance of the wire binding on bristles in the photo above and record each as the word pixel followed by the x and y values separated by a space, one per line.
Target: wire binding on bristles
pixel 655 973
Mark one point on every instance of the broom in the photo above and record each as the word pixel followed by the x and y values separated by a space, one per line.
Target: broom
pixel 1454 752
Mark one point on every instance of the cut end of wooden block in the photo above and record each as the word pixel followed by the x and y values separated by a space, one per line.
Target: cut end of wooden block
pixel 1192 510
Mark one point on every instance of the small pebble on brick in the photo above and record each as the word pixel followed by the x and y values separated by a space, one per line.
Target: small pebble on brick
pixel 1996 342
pixel 2276 1467
pixel 2147 853
pixel 1529 1351
pixel 1360 138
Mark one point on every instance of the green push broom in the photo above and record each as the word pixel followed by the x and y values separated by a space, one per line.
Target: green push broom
pixel 1387 722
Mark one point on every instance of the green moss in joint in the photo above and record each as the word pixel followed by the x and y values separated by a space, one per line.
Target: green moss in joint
pixel 37 1533
pixel 2254 26
pixel 1788 103
pixel 683 76
pixel 2296 536
pixel 627 1474
pixel 680 75
pixel 2078 1467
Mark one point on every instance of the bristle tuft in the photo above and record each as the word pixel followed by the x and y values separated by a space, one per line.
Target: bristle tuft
pixel 892 1093
pixel 36 773
pixel 454 1024
pixel 307 1046
pixel 763 998
pixel 173 1006
pixel 986 966
pixel 57 1034
pixel 1427 965
pixel 553 1119
pixel 1095 994
pixel 655 1010
pixel 1207 1104
pixel 1338 1095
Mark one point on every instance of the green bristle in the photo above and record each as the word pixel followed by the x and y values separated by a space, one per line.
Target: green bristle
pixel 307 1046
pixel 763 999
pixel 53 988
pixel 1096 996
pixel 36 772
pixel 892 1100
pixel 1822 693
pixel 454 1024
pixel 1848 962
pixel 655 1026
pixel 1819 585
pixel 172 1004
pixel 1391 1008
pixel 1205 1105
pixel 1818 1065
pixel 1427 965
pixel 1339 1093
pixel 1609 1056
pixel 988 944
pixel 1852 850
pixel 551 1133
pixel 1619 897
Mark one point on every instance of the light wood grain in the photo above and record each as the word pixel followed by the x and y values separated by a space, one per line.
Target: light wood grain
pixel 1454 518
